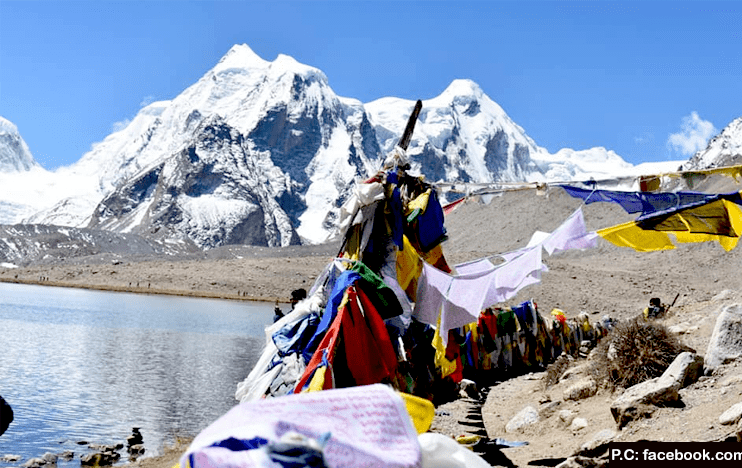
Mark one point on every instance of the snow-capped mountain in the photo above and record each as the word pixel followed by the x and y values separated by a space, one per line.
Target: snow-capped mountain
pixel 19 194
pixel 462 135
pixel 213 191
pixel 251 139
pixel 14 153
pixel 725 149
pixel 265 153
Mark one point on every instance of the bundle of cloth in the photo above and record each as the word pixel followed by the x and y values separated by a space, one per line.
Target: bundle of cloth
pixel 389 308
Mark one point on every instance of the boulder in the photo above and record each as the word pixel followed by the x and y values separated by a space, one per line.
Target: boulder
pixel 726 340
pixel 660 391
pixel 686 369
pixel 732 415
pixel 526 417
pixel 657 391
pixel 582 389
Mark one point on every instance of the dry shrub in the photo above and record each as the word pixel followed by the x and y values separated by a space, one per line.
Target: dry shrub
pixel 635 351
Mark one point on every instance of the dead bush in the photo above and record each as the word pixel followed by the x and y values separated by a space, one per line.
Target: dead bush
pixel 635 351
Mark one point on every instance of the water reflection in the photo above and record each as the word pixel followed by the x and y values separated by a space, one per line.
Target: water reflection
pixel 83 365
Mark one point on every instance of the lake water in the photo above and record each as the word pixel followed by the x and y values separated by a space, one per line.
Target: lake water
pixel 79 365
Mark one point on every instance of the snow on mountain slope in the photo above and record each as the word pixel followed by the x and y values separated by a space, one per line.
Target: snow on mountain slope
pixel 264 152
pixel 25 186
pixel 211 192
pixel 14 153
pixel 725 149
pixel 290 149
pixel 461 135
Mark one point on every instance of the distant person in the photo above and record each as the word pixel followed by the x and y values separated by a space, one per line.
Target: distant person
pixel 277 313
pixel 655 310
pixel 297 295
pixel 6 415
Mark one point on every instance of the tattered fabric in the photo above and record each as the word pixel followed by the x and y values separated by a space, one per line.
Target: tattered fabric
pixel 719 220
pixel 639 202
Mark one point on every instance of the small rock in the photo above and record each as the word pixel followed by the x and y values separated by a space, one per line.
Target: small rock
pixel 574 371
pixel 467 389
pixel 99 459
pixel 534 376
pixel 50 458
pixel 598 444
pixel 34 463
pixel 526 417
pixel 578 424
pixel 548 409
pixel 10 458
pixel 732 415
pixel 67 455
pixel 136 449
pixel 581 390
pixel 566 416
pixel 633 413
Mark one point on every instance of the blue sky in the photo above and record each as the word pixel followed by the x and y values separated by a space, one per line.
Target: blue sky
pixel 651 80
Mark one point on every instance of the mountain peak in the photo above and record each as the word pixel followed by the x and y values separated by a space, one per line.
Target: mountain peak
pixel 462 87
pixel 286 63
pixel 14 153
pixel 240 56
pixel 6 126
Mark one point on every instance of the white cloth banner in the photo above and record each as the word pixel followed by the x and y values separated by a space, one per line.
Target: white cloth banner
pixel 480 284
pixel 369 427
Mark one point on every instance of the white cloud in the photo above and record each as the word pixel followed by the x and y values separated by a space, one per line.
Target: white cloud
pixel 644 138
pixel 694 135
pixel 120 125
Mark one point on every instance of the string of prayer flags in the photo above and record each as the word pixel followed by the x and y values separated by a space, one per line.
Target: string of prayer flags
pixel 719 219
